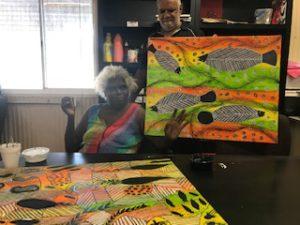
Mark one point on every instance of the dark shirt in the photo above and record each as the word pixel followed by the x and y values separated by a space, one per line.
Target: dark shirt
pixel 185 31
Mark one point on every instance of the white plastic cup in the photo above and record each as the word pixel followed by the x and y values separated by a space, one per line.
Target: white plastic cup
pixel 10 154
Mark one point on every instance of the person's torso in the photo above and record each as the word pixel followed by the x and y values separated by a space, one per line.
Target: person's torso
pixel 122 136
pixel 183 31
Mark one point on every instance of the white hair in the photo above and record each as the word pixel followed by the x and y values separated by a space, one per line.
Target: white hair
pixel 112 72
pixel 179 2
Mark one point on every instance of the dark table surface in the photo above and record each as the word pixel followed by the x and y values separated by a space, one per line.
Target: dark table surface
pixel 251 190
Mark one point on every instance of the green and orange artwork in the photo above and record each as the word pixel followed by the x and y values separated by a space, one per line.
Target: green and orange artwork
pixel 145 192
pixel 228 86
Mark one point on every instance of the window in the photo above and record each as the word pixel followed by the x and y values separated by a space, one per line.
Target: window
pixel 46 44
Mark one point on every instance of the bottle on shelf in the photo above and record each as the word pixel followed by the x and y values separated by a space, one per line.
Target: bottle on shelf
pixel 126 47
pixel 279 11
pixel 142 48
pixel 118 49
pixel 107 48
pixel 132 54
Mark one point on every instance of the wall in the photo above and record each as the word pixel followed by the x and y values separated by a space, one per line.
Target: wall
pixel 295 35
pixel 295 56
pixel 295 131
pixel 36 120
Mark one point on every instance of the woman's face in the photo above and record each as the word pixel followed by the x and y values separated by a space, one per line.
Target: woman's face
pixel 117 93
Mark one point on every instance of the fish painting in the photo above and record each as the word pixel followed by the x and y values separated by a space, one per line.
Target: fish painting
pixel 237 59
pixel 140 192
pixel 165 59
pixel 181 101
pixel 231 113
pixel 230 82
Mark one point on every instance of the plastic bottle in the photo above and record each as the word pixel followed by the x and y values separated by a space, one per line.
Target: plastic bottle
pixel 118 49
pixel 126 46
pixel 107 48
pixel 141 53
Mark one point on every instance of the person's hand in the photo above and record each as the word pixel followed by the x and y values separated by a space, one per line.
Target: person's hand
pixel 175 125
pixel 67 105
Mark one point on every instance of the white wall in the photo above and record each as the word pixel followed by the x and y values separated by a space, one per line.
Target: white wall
pixel 295 35
pixel 295 56
pixel 36 120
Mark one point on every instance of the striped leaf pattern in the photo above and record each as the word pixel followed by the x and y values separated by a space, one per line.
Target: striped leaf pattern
pixel 145 194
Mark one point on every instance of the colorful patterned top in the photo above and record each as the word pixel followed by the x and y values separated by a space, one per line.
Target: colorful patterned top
pixel 123 136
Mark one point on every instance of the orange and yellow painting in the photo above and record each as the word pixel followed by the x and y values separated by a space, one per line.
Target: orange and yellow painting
pixel 228 86
pixel 141 192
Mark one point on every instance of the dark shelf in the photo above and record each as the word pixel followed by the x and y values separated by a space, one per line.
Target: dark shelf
pixel 124 64
pixel 114 14
pixel 124 26
pixel 242 26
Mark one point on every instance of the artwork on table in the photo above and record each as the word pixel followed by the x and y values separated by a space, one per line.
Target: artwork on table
pixel 142 192
pixel 228 86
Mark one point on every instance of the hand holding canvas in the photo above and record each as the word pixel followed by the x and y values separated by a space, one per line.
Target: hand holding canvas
pixel 175 125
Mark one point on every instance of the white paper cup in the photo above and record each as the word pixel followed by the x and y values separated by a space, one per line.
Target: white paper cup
pixel 10 154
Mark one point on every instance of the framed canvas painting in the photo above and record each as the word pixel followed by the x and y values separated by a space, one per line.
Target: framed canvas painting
pixel 228 86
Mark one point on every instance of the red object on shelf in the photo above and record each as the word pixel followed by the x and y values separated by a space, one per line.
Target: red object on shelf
pixel 211 9
pixel 118 49
pixel 294 69
pixel 279 11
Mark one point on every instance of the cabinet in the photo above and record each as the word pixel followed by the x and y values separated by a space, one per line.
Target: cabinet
pixel 113 16
pixel 134 20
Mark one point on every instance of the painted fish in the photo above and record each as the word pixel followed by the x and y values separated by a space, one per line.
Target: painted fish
pixel 141 180
pixel 29 188
pixel 34 203
pixel 236 59
pixel 148 167
pixel 6 175
pixel 232 113
pixel 166 60
pixel 25 222
pixel 181 101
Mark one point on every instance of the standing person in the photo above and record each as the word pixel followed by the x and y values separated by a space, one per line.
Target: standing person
pixel 170 25
pixel 169 12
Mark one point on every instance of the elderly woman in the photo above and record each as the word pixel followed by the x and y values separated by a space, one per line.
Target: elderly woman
pixel 116 126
